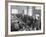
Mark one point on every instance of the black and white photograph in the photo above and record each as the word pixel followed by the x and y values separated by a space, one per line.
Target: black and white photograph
pixel 25 18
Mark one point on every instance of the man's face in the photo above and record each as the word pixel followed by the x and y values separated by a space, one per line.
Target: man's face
pixel 16 25
pixel 37 17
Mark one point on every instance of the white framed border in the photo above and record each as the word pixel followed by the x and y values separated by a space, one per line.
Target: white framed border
pixel 23 32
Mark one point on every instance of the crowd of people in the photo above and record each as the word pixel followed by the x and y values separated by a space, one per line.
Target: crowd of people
pixel 25 23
